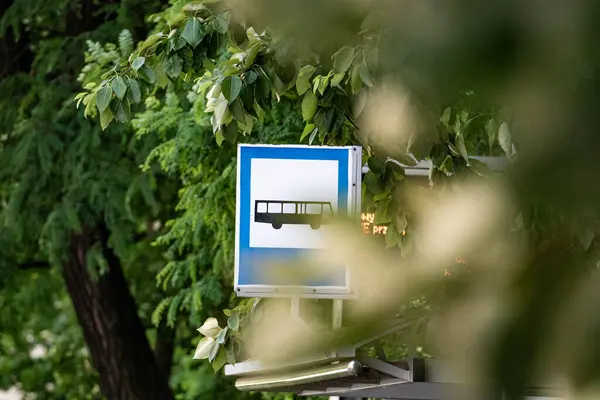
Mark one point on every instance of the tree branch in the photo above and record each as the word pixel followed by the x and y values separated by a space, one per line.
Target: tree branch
pixel 34 265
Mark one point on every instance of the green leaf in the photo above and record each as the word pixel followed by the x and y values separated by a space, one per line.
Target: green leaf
pixel 161 79
pixel 194 7
pixel 233 322
pixel 137 63
pixel 316 83
pixel 407 245
pixel 307 131
pixel 122 112
pixel 231 87
pixel 504 137
pixel 221 23
pixel 360 103
pixel 364 73
pixel 230 133
pixel 376 165
pixel 220 360
pixel 147 74
pixel 176 43
pixel 219 137
pixel 585 238
pixel 382 215
pixel 343 59
pixel 193 32
pixel 323 83
pixel 230 357
pixel 420 144
pixel 250 56
pixel 392 237
pixel 355 79
pixel 303 80
pixel 492 132
pixel 250 77
pixel 119 87
pixel 460 145
pixel 103 97
pixel 309 106
pixel 337 79
pixel 400 221
pixel 106 118
pixel 134 89
pixel 446 116
pixel 373 183
pixel 238 111
pixel 172 66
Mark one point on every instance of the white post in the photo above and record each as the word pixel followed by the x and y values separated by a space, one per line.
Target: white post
pixel 338 309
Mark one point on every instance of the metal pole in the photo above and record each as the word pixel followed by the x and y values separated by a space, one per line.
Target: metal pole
pixel 338 310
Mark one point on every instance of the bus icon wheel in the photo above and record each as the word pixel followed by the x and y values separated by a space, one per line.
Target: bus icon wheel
pixel 315 225
pixel 276 225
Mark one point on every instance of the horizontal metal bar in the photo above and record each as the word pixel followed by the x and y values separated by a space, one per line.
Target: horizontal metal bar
pixel 497 164
pixel 290 379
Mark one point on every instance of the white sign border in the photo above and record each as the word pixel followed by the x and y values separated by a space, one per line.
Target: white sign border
pixel 354 209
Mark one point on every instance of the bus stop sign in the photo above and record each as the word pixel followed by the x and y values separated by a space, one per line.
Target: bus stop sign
pixel 287 198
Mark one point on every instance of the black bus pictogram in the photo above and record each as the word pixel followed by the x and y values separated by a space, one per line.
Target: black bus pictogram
pixel 278 213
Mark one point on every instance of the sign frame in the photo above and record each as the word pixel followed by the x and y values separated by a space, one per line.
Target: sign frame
pixel 353 205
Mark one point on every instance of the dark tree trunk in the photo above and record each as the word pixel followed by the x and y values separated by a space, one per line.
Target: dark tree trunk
pixel 163 350
pixel 114 333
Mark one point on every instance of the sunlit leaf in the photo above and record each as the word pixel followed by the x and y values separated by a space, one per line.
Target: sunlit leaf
pixel 210 328
pixel 212 352
pixel 106 117
pixel 303 80
pixel 138 62
pixel 204 347
pixel 307 131
pixel 337 79
pixel 309 106
pixel 505 138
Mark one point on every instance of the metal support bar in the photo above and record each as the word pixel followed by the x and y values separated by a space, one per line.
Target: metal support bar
pixel 386 368
pixel 291 379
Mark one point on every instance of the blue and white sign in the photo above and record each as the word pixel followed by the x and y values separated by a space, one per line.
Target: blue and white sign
pixel 287 197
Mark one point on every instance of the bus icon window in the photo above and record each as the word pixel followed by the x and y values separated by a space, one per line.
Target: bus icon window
pixel 279 213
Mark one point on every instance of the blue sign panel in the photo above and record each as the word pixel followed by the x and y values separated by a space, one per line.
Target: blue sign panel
pixel 287 199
